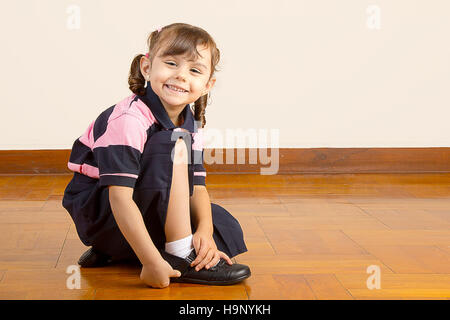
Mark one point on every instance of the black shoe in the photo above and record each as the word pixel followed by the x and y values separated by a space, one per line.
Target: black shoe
pixel 92 259
pixel 219 275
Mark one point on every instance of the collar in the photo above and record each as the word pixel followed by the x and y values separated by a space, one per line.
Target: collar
pixel 151 99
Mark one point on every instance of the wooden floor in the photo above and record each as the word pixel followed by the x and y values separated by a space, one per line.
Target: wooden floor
pixel 309 237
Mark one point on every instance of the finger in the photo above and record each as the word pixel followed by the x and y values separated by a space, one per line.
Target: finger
pixel 206 260
pixel 200 255
pixel 196 243
pixel 161 284
pixel 213 261
pixel 197 246
pixel 224 256
pixel 203 250
pixel 208 257
pixel 176 274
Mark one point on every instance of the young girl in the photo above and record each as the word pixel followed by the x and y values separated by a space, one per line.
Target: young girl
pixel 138 190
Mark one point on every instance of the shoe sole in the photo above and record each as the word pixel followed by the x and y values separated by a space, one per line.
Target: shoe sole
pixel 209 282
pixel 90 259
pixel 95 265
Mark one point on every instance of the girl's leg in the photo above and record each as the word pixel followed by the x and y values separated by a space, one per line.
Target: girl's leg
pixel 178 222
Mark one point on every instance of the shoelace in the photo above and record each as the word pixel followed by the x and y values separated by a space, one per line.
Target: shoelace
pixel 219 264
pixel 191 257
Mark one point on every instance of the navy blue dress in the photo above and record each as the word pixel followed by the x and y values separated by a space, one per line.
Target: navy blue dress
pixel 103 157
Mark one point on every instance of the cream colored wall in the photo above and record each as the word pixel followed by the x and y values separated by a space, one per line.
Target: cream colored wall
pixel 313 70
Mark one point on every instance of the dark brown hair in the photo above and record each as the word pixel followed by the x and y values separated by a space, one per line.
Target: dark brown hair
pixel 177 39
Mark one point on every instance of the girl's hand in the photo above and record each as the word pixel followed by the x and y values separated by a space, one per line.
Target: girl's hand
pixel 207 253
pixel 158 275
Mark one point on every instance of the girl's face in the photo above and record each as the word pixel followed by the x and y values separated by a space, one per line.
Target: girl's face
pixel 191 76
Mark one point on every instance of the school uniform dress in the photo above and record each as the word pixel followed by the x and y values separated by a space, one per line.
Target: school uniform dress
pixel 130 144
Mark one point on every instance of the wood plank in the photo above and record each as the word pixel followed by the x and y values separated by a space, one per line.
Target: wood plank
pixel 32 216
pixel 399 237
pixel 33 284
pixel 324 208
pixel 412 258
pixel 23 258
pixel 251 227
pixel 133 288
pixel 398 286
pixel 310 263
pixel 400 294
pixel 408 218
pixel 258 246
pixel 400 203
pixel 445 248
pixel 443 214
pixel 396 281
pixel 5 180
pixel 256 209
pixel 327 287
pixel 32 235
pixel 278 287
pixel 14 205
pixel 298 241
pixel 320 221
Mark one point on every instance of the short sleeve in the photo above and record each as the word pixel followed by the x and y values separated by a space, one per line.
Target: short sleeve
pixel 198 165
pixel 118 151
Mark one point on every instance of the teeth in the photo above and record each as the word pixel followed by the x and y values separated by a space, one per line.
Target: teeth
pixel 176 89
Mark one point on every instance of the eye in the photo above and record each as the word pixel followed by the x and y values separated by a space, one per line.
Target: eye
pixel 173 63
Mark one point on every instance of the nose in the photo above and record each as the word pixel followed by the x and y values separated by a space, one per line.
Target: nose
pixel 181 75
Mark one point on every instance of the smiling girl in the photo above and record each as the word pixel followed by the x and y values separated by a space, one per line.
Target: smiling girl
pixel 138 190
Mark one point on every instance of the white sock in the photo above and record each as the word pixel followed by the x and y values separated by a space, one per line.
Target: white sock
pixel 180 248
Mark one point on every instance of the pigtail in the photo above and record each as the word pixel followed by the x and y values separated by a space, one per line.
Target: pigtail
pixel 136 80
pixel 199 109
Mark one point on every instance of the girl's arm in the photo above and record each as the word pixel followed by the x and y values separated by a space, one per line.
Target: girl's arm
pixel 130 222
pixel 200 206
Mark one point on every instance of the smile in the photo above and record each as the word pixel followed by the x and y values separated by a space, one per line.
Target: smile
pixel 174 90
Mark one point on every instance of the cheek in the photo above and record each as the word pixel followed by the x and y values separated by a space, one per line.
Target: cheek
pixel 197 87
pixel 160 75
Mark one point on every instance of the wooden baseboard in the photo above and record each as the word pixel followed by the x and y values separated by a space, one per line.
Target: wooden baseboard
pixel 290 161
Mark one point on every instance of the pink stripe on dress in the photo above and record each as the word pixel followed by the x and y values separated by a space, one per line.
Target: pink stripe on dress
pixel 121 174
pixel 88 137
pixel 127 125
pixel 90 171
pixel 85 169
pixel 125 130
